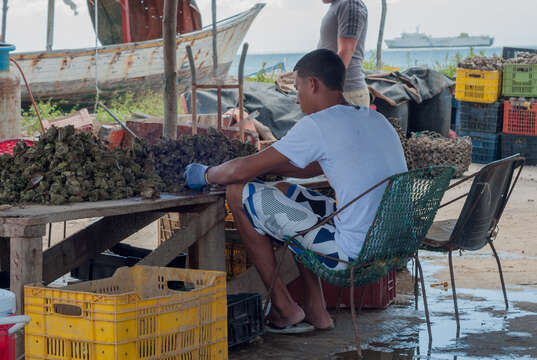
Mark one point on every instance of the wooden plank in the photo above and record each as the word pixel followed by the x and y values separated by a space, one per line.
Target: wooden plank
pixel 250 281
pixel 26 266
pixel 211 235
pixel 94 239
pixel 43 214
pixel 22 231
pixel 169 249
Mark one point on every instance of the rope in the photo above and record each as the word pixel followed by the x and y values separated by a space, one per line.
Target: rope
pixel 29 93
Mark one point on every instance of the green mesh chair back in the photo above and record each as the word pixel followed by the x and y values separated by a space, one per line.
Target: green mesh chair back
pixel 404 216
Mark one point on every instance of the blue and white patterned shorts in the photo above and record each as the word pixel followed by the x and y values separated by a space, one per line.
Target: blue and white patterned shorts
pixel 280 216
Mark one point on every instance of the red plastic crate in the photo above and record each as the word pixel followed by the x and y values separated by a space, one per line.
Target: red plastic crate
pixel 378 295
pixel 7 344
pixel 7 146
pixel 520 118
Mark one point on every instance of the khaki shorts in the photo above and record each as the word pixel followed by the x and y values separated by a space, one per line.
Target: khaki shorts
pixel 358 97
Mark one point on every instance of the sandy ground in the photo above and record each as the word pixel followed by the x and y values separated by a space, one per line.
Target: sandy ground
pixel 516 241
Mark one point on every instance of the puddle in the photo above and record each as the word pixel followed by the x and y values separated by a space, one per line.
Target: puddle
pixel 487 330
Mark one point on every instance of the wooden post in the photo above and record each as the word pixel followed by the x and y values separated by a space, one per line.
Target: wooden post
pixel 381 34
pixel 211 234
pixel 50 25
pixel 241 90
pixel 4 18
pixel 169 32
pixel 215 52
pixel 194 89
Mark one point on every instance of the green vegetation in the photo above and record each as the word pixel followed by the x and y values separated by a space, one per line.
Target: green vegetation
pixel 264 76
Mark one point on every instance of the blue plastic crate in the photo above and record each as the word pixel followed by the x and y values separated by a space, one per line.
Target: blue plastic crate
pixel 485 146
pixel 480 117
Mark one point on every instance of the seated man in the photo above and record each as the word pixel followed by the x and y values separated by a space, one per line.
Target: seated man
pixel 354 147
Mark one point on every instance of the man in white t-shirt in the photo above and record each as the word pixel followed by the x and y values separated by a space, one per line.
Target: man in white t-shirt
pixel 354 147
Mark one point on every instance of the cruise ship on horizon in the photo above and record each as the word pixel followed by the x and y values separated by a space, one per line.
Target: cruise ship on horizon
pixel 422 40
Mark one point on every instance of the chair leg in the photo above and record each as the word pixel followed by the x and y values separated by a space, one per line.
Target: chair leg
pixel 353 314
pixel 426 307
pixel 454 291
pixel 501 273
pixel 415 284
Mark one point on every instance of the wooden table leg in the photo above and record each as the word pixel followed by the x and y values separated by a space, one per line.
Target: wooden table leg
pixel 26 267
pixel 211 234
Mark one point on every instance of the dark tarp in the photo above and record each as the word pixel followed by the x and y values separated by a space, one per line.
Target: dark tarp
pixel 277 110
pixel 280 112
pixel 417 84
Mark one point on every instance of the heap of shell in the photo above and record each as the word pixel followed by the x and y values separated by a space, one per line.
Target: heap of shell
pixel 429 148
pixel 523 58
pixel 404 142
pixel 66 167
pixel 213 148
pixel 482 63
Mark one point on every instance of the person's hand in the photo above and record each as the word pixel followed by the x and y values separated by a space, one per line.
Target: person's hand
pixel 195 176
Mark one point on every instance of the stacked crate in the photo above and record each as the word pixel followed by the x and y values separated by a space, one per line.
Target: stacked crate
pixel 519 135
pixel 480 113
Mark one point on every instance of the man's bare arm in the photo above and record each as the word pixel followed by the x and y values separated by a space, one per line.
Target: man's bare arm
pixel 345 49
pixel 268 161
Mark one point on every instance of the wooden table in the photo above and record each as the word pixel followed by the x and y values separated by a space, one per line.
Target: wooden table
pixel 22 230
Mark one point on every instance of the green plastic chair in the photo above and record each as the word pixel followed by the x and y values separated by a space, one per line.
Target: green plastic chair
pixel 404 216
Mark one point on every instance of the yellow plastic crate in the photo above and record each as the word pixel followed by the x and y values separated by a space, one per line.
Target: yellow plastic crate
pixel 135 314
pixel 478 86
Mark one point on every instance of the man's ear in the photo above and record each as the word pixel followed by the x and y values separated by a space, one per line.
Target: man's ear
pixel 314 84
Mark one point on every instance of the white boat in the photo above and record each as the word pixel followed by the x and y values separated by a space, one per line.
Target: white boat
pixel 421 40
pixel 72 74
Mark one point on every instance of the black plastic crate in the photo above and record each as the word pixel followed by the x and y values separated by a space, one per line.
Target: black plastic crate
pixel 485 146
pixel 524 145
pixel 481 117
pixel 104 265
pixel 511 52
pixel 244 318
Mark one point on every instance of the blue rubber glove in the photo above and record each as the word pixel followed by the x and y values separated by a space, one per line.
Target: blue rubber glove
pixel 195 176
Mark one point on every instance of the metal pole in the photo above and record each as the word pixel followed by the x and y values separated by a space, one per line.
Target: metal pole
pixel 169 32
pixel 215 54
pixel 4 18
pixel 50 24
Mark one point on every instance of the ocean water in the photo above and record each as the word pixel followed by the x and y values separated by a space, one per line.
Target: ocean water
pixel 402 58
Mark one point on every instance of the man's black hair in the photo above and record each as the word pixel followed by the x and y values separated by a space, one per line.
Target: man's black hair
pixel 325 65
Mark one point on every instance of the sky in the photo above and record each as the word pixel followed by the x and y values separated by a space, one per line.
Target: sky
pixel 292 26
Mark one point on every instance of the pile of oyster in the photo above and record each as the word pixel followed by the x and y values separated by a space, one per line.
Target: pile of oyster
pixel 523 58
pixel 482 63
pixel 172 156
pixel 66 167
pixel 429 148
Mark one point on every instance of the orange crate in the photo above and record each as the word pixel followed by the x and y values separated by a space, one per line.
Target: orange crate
pixel 520 118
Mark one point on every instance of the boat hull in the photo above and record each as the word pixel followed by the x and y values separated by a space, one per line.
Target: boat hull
pixel 73 74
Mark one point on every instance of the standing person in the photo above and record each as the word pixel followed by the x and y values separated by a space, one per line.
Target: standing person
pixel 335 139
pixel 343 30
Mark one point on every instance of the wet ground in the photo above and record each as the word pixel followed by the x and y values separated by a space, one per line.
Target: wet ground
pixel 400 332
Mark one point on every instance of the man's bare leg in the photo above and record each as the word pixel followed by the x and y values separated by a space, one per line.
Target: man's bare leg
pixel 260 250
pixel 314 303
